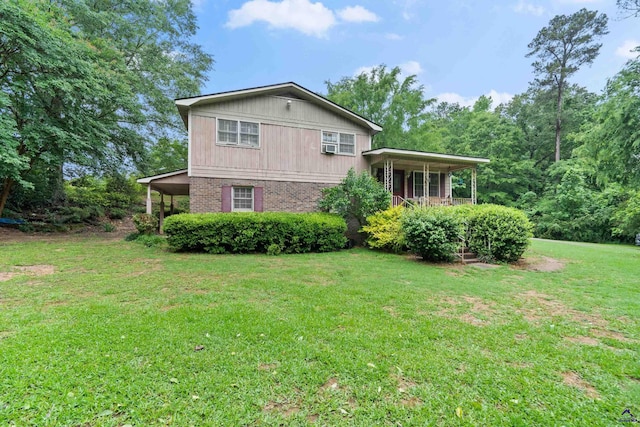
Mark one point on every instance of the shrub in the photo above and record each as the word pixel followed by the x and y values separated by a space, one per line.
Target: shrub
pixel 384 230
pixel 243 232
pixel 151 241
pixel 108 227
pixel 357 196
pixel 145 223
pixel 433 233
pixel 497 232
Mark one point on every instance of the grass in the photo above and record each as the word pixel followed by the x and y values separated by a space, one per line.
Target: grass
pixel 110 333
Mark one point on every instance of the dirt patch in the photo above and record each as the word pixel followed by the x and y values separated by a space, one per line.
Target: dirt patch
pixel 6 334
pixel 520 365
pixel 477 306
pixel 583 340
pixel 312 418
pixel 472 320
pixel 267 366
pixel 169 307
pixel 547 307
pixel 404 384
pixel 285 409
pixel 605 333
pixel 331 384
pixel 574 380
pixel 411 402
pixel 391 310
pixel 542 264
pixel 30 270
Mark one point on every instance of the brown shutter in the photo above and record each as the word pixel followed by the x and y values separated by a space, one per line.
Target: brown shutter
pixel 226 198
pixel 257 199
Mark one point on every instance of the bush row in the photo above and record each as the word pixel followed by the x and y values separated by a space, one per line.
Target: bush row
pixel 265 232
pixel 495 233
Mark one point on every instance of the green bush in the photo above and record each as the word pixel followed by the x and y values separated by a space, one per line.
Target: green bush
pixel 433 233
pixel 145 223
pixel 243 232
pixel 384 230
pixel 497 233
pixel 117 213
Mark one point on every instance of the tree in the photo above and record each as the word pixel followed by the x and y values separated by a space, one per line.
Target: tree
pixel 90 83
pixel 384 97
pixel 167 155
pixel 58 92
pixel 630 6
pixel 357 197
pixel 560 49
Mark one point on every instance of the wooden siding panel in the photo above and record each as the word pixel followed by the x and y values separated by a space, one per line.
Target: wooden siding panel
pixel 273 110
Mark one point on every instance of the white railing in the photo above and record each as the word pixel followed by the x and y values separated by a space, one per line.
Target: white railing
pixel 431 201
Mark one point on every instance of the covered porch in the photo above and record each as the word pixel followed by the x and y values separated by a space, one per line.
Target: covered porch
pixel 170 184
pixel 422 178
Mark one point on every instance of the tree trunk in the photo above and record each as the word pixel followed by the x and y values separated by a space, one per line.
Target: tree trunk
pixel 559 120
pixel 6 190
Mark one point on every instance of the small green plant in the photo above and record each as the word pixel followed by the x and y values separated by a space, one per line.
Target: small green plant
pixel 433 233
pixel 108 227
pixel 117 213
pixel 384 230
pixel 274 249
pixel 145 223
pixel 151 240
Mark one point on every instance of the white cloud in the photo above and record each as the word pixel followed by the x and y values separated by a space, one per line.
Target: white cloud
pixel 455 98
pixel 363 70
pixel 411 68
pixel 393 36
pixel 529 8
pixel 625 50
pixel 357 14
pixel 309 18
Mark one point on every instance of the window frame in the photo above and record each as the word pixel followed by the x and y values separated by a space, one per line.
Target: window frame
pixel 338 143
pixel 238 133
pixel 424 190
pixel 234 198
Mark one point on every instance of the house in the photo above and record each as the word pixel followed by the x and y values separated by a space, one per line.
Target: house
pixel 274 148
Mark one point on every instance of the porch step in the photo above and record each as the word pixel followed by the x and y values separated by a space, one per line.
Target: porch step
pixel 469 257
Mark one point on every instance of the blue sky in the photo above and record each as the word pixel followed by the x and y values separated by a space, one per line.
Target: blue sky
pixel 459 49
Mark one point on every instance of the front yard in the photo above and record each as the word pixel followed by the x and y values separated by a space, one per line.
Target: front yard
pixel 104 332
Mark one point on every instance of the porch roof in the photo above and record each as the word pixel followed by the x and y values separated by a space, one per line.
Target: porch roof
pixel 409 156
pixel 171 183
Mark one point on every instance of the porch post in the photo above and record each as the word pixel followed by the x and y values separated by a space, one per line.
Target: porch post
pixel 149 199
pixel 171 204
pixel 428 183
pixel 474 188
pixel 388 175
pixel 161 217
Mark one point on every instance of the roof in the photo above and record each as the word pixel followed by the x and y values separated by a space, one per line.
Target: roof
pixel 173 183
pixel 287 89
pixel 423 155
pixel 148 179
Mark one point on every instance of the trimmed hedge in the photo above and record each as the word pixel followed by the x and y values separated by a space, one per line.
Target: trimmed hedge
pixel 497 233
pixel 264 232
pixel 433 233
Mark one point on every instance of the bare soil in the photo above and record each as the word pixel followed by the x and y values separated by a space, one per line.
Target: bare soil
pixel 542 264
pixel 574 380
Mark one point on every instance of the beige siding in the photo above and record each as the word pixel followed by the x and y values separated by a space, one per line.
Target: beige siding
pixel 290 153
pixel 273 110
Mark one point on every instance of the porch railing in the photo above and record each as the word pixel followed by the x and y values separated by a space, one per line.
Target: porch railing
pixel 431 201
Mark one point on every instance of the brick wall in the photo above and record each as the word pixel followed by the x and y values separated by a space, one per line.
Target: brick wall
pixel 205 194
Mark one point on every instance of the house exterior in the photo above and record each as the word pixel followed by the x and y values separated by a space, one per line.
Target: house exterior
pixel 274 148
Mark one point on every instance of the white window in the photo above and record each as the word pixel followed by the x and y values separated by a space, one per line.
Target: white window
pixel 418 184
pixel 234 132
pixel 242 199
pixel 345 142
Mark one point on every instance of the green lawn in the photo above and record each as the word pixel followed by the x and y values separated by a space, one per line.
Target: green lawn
pixel 106 332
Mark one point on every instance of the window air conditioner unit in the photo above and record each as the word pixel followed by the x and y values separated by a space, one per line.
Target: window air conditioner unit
pixel 329 149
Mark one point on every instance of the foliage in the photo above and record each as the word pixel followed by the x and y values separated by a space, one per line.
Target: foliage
pixel 384 230
pixel 387 98
pixel 357 197
pixel 90 83
pixel 151 240
pixel 108 227
pixel 433 233
pixel 242 232
pixel 497 233
pixel 145 223
pixel 630 6
pixel 560 49
pixel 167 155
pixel 626 219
